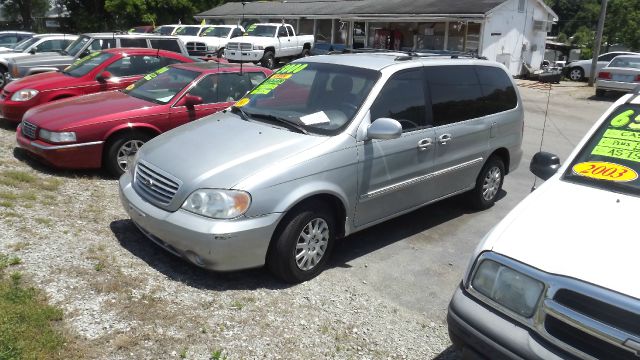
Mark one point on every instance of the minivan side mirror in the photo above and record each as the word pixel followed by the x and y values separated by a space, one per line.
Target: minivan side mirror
pixel 33 50
pixel 544 165
pixel 384 129
pixel 104 76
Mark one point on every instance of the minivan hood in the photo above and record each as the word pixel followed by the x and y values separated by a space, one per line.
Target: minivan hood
pixel 575 231
pixel 44 81
pixel 220 150
pixel 67 114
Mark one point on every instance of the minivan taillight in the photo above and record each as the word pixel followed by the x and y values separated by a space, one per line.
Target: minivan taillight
pixel 604 75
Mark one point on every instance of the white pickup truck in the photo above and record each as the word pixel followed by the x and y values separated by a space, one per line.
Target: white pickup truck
pixel 268 43
pixel 212 40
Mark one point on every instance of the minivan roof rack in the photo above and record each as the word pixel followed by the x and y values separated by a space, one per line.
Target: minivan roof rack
pixel 409 55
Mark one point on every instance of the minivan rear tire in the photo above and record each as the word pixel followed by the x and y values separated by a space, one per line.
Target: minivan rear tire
pixel 488 184
pixel 290 237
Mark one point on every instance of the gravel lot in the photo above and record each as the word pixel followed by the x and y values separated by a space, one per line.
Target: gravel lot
pixel 384 296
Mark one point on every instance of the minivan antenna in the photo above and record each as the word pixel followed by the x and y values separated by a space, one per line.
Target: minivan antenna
pixel 544 127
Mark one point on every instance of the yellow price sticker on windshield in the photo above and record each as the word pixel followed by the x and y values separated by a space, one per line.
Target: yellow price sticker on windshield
pixel 605 171
pixel 242 102
pixel 130 87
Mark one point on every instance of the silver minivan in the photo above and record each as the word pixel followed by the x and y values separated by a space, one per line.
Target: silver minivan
pixel 325 147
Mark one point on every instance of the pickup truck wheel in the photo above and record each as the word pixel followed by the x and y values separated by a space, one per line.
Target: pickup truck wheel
pixel 220 53
pixel 120 149
pixel 302 245
pixel 305 53
pixel 268 60
pixel 576 74
pixel 488 184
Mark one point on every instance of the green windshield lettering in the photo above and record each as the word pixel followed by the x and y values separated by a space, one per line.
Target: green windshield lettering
pixel 156 73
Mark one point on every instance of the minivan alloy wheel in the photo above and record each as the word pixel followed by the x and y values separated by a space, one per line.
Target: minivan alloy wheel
pixel 127 149
pixel 576 74
pixel 312 244
pixel 491 184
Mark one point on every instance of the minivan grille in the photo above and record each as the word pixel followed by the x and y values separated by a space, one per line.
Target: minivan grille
pixel 29 129
pixel 154 186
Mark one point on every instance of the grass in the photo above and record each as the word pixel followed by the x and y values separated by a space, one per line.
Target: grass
pixel 24 179
pixel 218 355
pixel 27 328
pixel 44 221
pixel 183 353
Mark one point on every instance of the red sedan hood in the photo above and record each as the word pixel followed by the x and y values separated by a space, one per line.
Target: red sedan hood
pixel 84 110
pixel 44 81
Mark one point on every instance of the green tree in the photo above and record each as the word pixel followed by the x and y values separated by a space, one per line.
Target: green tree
pixel 24 10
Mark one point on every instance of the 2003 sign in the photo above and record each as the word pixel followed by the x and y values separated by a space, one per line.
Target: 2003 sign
pixel 605 171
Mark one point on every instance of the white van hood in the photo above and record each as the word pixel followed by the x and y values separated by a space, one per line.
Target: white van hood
pixel 575 231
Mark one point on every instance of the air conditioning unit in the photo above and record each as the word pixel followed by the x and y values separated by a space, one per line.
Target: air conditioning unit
pixel 542 25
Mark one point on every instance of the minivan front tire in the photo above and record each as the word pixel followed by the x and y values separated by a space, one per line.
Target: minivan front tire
pixel 488 184
pixel 302 244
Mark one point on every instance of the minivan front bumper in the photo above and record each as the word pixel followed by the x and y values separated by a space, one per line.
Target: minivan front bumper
pixel 487 335
pixel 221 245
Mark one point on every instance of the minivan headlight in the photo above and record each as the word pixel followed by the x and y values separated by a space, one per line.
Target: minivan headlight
pixel 57 137
pixel 218 203
pixel 24 95
pixel 509 288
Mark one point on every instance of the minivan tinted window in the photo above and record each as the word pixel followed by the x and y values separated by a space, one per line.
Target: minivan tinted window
pixel 497 89
pixel 455 93
pixel 402 98
pixel 166 44
pixel 127 42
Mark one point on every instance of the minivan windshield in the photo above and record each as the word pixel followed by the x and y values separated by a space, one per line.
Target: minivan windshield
pixel 318 98
pixel 161 85
pixel 215 31
pixel 76 46
pixel 262 30
pixel 24 44
pixel 610 160
pixel 83 66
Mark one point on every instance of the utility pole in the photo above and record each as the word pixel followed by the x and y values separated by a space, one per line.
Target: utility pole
pixel 598 43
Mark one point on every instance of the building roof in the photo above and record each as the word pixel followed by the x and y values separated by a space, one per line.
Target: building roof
pixel 360 8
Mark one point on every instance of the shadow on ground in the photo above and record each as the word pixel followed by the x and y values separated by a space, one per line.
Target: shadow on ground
pixel 36 164
pixel 449 353
pixel 352 247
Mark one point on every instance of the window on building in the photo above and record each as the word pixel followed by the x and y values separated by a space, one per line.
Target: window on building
pixel 431 36
pixel 457 35
pixel 472 43
pixel 323 34
pixel 342 32
pixel 358 35
pixel 306 26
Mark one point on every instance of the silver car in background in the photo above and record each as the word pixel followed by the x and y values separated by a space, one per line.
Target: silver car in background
pixel 621 74
pixel 325 147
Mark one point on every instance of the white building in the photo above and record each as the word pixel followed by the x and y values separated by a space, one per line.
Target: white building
pixel 512 32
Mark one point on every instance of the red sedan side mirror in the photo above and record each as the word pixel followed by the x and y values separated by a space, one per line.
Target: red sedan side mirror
pixel 190 101
pixel 104 76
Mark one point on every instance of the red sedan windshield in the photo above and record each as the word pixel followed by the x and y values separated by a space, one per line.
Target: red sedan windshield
pixel 82 67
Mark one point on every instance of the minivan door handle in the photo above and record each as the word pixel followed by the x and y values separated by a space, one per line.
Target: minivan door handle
pixel 444 138
pixel 424 144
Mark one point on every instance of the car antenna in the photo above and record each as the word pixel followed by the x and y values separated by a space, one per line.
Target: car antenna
pixel 544 127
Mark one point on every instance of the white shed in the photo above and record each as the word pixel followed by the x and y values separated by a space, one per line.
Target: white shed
pixel 512 32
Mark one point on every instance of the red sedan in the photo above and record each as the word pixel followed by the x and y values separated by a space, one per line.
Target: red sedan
pixel 105 129
pixel 105 70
